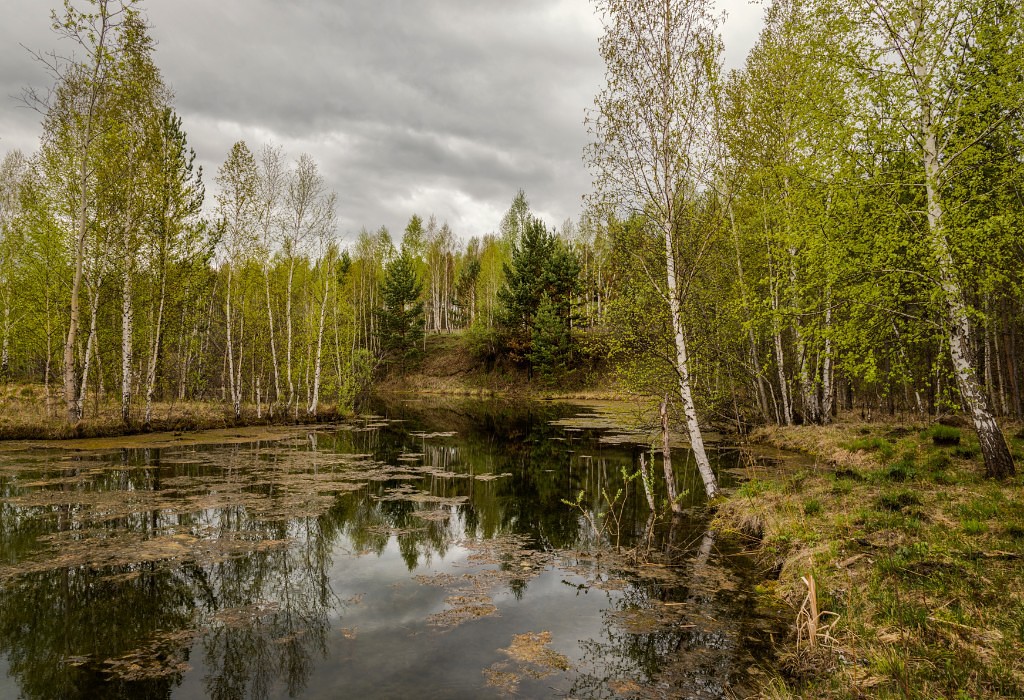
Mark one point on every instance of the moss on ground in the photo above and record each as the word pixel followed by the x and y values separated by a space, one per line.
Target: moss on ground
pixel 918 562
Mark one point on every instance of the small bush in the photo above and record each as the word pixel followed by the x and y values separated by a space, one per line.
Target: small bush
pixel 812 507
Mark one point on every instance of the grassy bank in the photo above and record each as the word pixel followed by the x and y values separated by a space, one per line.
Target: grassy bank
pixel 917 561
pixel 25 414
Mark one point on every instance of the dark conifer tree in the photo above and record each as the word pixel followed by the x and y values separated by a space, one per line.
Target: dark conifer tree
pixel 400 318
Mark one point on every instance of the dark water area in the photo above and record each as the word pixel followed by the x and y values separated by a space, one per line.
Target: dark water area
pixel 426 551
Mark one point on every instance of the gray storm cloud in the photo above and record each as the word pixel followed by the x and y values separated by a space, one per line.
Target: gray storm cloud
pixel 444 107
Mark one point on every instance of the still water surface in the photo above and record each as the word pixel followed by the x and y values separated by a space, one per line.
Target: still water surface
pixel 424 552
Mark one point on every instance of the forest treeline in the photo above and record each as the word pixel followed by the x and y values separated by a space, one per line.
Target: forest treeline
pixel 836 225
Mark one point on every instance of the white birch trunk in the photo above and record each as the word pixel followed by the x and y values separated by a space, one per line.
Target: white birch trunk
pixel 87 359
pixel 288 324
pixel 127 323
pixel 319 349
pixel 154 352
pixel 230 348
pixel 273 344
pixel 827 388
pixel 998 461
pixel 683 371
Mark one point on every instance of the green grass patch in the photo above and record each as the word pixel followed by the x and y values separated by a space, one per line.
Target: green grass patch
pixel 944 435
pixel 883 447
pixel 921 557
pixel 974 527
pixel 756 487
pixel 812 507
pixel 967 451
pixel 902 470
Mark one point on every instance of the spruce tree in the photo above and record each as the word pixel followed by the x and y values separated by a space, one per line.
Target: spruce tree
pixel 400 318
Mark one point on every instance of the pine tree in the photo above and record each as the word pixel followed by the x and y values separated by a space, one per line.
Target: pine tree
pixel 400 318
pixel 551 342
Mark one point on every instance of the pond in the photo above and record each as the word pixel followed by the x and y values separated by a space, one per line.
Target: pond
pixel 441 549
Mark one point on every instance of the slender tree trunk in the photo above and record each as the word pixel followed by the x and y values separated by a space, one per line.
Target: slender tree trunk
pixel 230 348
pixel 288 324
pixel 237 383
pixel 827 386
pixel 780 359
pixel 273 344
pixel 86 360
pixel 998 461
pixel 127 323
pixel 154 352
pixel 74 406
pixel 319 348
pixel 683 370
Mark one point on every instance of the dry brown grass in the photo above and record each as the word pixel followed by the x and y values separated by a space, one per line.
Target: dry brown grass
pixel 26 414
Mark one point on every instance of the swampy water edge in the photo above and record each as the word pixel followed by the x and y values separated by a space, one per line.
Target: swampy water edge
pixel 423 551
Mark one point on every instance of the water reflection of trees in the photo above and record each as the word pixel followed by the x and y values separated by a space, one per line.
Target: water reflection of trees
pixel 126 630
pixel 256 611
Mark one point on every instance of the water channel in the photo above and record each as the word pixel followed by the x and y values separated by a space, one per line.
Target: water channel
pixel 426 551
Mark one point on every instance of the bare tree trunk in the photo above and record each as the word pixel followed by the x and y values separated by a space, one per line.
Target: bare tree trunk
pixel 154 352
pixel 319 348
pixel 827 387
pixel 89 343
pixel 288 324
pixel 237 383
pixel 230 348
pixel 273 344
pixel 683 370
pixel 5 352
pixel 780 359
pixel 127 322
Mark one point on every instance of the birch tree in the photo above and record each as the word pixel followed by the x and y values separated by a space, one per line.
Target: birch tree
pixel 914 56
pixel 76 117
pixel 175 229
pixel 308 210
pixel 327 253
pixel 653 154
pixel 13 177
pixel 272 181
pixel 236 208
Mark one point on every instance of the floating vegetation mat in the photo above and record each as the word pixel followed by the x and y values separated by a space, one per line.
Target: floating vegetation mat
pixel 529 656
pixel 499 563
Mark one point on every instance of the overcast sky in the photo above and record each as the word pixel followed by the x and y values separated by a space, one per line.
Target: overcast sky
pixel 444 107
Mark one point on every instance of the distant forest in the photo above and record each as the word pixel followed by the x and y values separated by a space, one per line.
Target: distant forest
pixel 836 226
